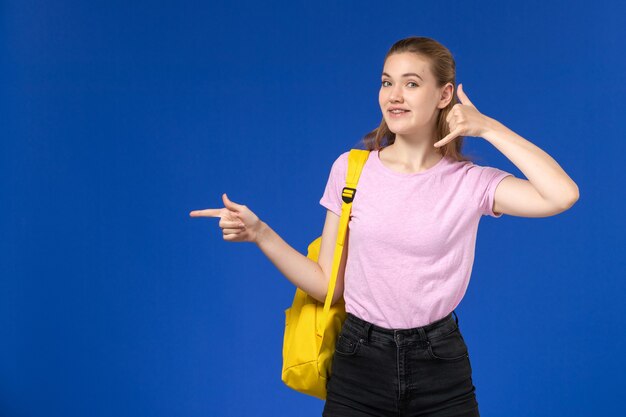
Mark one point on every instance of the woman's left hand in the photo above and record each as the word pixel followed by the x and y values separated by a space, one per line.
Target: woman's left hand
pixel 464 120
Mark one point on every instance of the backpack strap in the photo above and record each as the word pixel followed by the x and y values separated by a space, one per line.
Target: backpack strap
pixel 356 161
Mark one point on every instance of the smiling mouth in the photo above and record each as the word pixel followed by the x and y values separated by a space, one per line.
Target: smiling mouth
pixel 397 114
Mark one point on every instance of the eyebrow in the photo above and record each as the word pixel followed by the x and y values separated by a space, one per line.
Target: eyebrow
pixel 408 74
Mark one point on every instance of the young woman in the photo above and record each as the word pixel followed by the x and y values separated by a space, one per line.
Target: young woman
pixel 409 250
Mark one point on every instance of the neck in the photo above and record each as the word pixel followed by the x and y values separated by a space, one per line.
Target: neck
pixel 414 156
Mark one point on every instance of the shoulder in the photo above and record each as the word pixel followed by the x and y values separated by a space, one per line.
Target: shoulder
pixel 340 163
pixel 459 169
pixel 343 158
pixel 475 171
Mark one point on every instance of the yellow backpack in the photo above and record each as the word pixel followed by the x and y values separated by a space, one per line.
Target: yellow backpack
pixel 311 328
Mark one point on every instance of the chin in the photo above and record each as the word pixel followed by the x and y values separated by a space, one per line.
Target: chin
pixel 404 129
pixel 401 131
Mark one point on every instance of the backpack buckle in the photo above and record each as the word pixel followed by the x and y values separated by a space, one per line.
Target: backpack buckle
pixel 347 194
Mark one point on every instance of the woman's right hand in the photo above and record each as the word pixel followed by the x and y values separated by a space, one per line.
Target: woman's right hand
pixel 238 222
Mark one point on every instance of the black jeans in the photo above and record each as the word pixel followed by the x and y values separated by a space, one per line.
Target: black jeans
pixel 424 371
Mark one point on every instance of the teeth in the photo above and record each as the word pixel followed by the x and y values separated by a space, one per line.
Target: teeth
pixel 398 111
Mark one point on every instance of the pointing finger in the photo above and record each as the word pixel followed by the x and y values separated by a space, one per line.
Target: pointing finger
pixel 205 213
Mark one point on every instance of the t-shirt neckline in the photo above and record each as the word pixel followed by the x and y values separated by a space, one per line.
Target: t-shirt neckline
pixel 429 171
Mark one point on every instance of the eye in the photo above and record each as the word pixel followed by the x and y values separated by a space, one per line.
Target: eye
pixel 410 82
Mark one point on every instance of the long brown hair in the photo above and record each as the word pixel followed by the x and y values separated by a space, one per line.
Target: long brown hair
pixel 443 67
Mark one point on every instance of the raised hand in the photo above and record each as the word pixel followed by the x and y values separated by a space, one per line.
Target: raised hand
pixel 464 120
pixel 238 222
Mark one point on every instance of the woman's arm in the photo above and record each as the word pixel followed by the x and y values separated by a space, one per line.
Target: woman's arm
pixel 310 276
pixel 303 272
pixel 548 190
pixel 240 224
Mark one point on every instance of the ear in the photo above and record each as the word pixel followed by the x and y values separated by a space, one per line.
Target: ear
pixel 447 93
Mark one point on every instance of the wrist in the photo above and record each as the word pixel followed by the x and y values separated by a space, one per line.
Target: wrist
pixel 261 232
pixel 492 128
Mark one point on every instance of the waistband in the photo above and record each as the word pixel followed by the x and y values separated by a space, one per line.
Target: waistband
pixel 365 330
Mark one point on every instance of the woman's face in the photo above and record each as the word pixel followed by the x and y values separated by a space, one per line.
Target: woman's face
pixel 408 83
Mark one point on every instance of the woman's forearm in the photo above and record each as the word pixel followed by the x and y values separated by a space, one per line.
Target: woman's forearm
pixel 303 272
pixel 543 172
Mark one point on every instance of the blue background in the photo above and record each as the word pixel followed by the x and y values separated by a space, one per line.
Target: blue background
pixel 118 118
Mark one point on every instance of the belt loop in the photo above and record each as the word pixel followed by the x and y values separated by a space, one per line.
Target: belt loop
pixel 456 318
pixel 422 333
pixel 366 331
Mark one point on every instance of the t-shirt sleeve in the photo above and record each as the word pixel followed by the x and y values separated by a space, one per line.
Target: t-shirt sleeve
pixel 487 181
pixel 331 199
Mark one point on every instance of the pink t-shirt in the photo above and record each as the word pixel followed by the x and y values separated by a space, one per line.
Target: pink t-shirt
pixel 412 237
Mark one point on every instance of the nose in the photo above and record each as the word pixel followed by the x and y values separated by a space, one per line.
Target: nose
pixel 396 94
